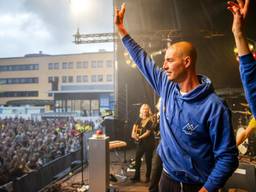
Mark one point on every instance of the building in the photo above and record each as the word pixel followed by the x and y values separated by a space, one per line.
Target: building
pixel 82 83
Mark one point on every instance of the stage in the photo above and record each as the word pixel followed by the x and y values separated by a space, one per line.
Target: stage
pixel 118 168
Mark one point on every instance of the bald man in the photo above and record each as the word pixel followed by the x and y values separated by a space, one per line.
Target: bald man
pixel 197 147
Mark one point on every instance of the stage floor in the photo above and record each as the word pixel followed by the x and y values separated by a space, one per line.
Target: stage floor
pixel 117 168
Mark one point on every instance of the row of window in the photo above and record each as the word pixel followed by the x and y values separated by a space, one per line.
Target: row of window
pixel 54 66
pixel 19 94
pixel 18 80
pixel 81 78
pixel 25 67
pixel 65 79
pixel 81 65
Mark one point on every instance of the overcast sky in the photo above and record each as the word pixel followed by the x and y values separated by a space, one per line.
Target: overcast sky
pixel 30 26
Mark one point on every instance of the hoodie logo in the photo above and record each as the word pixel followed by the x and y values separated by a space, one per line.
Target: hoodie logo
pixel 189 128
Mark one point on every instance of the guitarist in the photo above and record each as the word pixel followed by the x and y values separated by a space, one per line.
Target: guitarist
pixel 143 134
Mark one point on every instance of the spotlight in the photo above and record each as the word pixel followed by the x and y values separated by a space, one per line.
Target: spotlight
pixel 126 54
pixel 133 66
pixel 251 47
pixel 235 50
pixel 128 61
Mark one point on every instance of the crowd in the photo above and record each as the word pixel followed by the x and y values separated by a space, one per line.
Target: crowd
pixel 27 145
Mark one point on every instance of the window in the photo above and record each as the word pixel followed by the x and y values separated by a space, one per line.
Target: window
pixel 109 78
pixel 19 94
pixel 64 79
pixel 95 107
pixel 109 63
pixel 27 80
pixel 93 78
pixel 85 64
pixel 79 79
pixel 56 66
pixel 50 66
pixel 3 81
pixel 70 65
pixel 25 67
pixel 94 64
pixel 51 79
pixel 67 79
pixel 99 64
pixel 100 78
pixel 79 65
pixel 70 79
pixel 85 78
pixel 64 65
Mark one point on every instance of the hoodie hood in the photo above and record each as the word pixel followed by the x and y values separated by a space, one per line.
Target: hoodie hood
pixel 204 89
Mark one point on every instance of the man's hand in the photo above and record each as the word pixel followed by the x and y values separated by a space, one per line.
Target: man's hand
pixel 239 11
pixel 119 20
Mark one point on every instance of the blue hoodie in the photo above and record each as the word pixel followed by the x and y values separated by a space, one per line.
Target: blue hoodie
pixel 197 141
pixel 248 77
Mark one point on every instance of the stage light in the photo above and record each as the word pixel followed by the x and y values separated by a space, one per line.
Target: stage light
pixel 251 47
pixel 133 66
pixel 126 54
pixel 235 50
pixel 254 55
pixel 128 61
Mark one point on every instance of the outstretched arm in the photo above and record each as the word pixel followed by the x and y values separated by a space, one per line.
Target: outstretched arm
pixel 239 11
pixel 246 60
pixel 247 132
pixel 119 20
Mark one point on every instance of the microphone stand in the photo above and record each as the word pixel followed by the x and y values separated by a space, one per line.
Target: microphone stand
pixel 82 184
pixel 82 156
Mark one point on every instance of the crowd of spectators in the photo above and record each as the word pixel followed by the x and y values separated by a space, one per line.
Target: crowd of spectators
pixel 27 145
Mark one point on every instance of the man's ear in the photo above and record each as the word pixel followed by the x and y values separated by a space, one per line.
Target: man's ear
pixel 187 61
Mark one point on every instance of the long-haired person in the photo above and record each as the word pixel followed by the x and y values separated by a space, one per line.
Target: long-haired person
pixel 143 134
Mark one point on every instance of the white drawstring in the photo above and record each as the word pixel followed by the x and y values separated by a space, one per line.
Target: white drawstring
pixel 181 187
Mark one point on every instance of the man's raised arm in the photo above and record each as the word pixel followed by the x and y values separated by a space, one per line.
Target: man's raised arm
pixel 119 21
pixel 239 11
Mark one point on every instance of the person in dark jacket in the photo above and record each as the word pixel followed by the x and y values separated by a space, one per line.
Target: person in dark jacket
pixel 195 124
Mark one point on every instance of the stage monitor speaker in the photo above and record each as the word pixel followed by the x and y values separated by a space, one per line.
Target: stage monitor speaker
pixel 114 129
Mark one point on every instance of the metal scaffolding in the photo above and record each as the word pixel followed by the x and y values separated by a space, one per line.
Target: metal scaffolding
pixel 94 38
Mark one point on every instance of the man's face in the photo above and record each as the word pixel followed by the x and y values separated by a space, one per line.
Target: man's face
pixel 174 65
